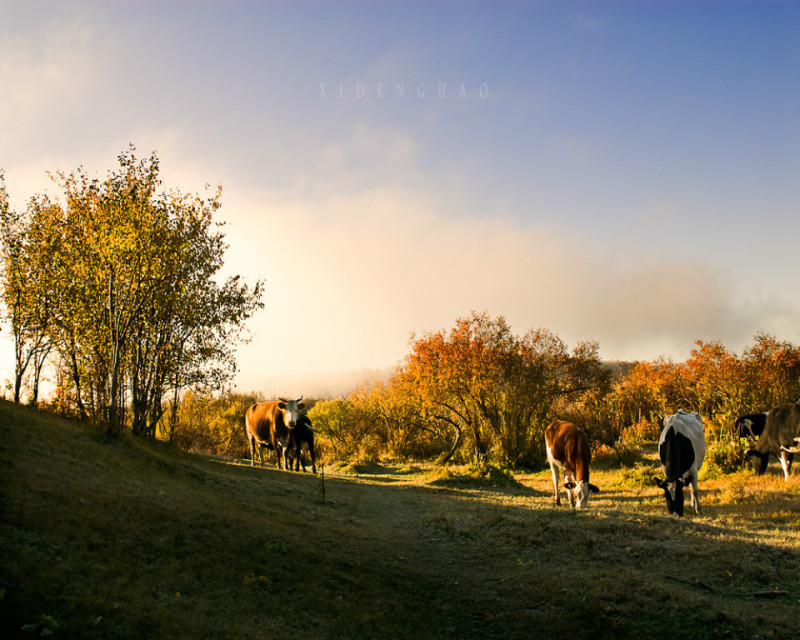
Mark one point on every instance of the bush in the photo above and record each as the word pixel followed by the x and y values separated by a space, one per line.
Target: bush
pixel 642 431
pixel 641 475
pixel 724 457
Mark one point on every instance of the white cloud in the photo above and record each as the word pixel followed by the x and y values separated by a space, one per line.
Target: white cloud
pixel 346 289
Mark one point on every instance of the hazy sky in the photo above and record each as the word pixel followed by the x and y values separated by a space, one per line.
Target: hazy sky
pixel 625 172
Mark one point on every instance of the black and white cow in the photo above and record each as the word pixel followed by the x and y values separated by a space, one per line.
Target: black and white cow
pixel 778 439
pixel 681 447
pixel 750 426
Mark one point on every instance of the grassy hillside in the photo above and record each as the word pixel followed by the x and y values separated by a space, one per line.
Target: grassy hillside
pixel 124 539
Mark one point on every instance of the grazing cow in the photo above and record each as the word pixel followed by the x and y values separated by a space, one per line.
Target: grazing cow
pixel 750 426
pixel 270 424
pixel 753 426
pixel 301 440
pixel 681 447
pixel 778 438
pixel 568 449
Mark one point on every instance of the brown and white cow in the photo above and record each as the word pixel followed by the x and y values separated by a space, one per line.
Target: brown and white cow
pixel 270 424
pixel 568 449
pixel 778 439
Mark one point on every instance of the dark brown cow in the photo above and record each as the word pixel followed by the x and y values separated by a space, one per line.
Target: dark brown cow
pixel 568 449
pixel 302 440
pixel 270 424
pixel 778 438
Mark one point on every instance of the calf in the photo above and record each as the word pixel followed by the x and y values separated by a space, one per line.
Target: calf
pixel 270 424
pixel 778 438
pixel 568 449
pixel 681 447
pixel 302 439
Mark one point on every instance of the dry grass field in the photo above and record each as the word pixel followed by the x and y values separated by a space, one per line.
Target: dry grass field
pixel 131 539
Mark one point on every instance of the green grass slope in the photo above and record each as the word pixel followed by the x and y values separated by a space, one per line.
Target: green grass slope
pixel 126 539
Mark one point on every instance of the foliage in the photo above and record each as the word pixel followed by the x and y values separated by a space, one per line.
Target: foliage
pixel 477 387
pixel 121 281
pixel 212 424
pixel 724 457
pixel 27 305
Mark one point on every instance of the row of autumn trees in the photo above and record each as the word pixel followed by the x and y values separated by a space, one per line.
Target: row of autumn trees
pixel 479 393
pixel 115 287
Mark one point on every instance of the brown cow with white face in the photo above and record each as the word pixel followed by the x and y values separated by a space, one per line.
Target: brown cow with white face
pixel 270 424
pixel 568 449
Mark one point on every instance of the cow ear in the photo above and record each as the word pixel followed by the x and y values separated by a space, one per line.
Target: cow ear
pixel 593 488
pixel 301 405
pixel 569 485
pixel 281 405
pixel 658 482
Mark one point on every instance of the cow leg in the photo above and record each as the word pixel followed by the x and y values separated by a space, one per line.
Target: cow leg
pixel 261 453
pixel 252 451
pixel 569 485
pixel 313 459
pixel 279 451
pixel 785 464
pixel 554 472
pixel 695 494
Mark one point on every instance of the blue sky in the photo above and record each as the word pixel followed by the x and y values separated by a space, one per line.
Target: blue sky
pixel 624 172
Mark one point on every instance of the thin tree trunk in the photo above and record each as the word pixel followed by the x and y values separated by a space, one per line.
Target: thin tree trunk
pixel 456 440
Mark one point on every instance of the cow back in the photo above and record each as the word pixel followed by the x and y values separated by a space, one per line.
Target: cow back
pixel 682 443
pixel 569 447
pixel 782 427
pixel 261 419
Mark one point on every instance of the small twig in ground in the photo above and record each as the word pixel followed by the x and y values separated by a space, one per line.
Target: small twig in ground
pixel 693 583
pixel 755 594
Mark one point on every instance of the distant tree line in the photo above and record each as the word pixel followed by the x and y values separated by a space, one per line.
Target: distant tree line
pixel 479 394
pixel 116 287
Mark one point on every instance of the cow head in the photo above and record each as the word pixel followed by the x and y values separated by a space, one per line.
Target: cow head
pixel 673 491
pixel 762 459
pixel 744 428
pixel 290 409
pixel 578 494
